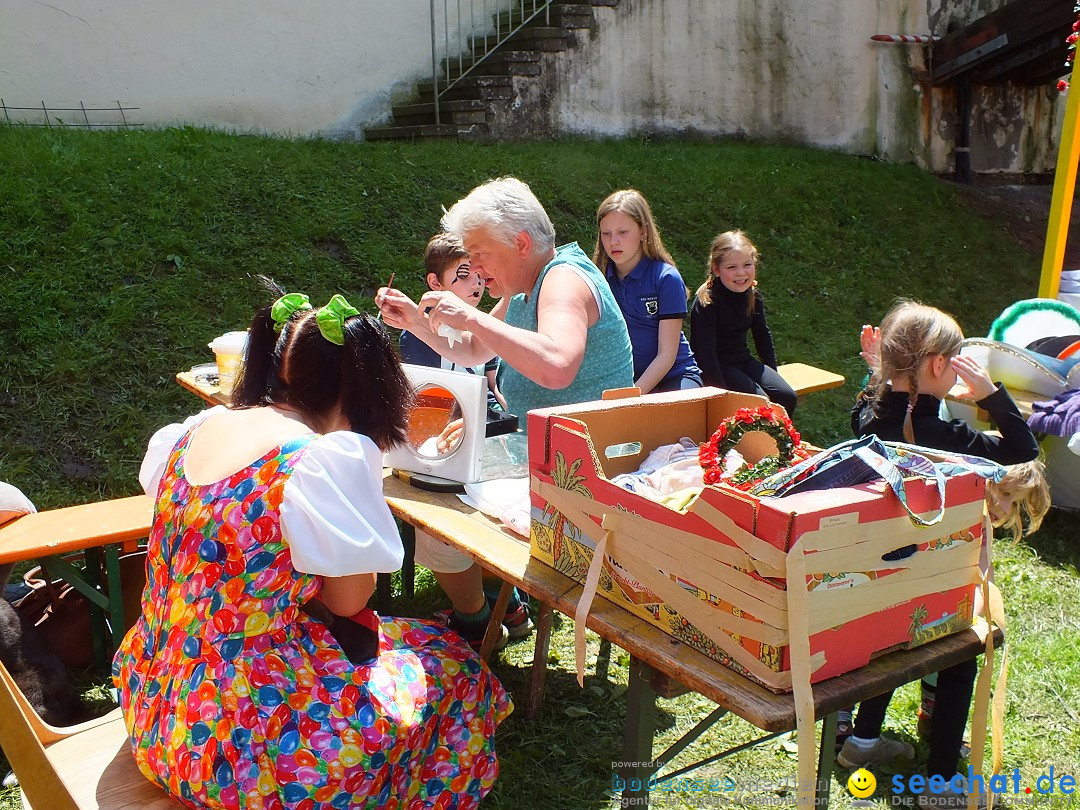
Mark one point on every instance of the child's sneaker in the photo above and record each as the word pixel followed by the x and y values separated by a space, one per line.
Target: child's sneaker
pixel 447 618
pixel 882 752
pixel 518 624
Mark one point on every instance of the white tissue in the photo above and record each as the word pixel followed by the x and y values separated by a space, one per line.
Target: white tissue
pixel 451 334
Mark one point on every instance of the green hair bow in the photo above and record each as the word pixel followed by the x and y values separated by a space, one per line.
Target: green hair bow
pixel 283 309
pixel 331 319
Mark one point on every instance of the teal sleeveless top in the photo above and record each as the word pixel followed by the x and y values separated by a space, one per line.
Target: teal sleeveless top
pixel 608 361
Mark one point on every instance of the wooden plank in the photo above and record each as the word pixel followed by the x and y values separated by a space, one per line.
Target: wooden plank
pixel 1022 26
pixel 807 379
pixel 75 528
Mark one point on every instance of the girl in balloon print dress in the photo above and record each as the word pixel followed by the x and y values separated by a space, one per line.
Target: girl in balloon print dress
pixel 236 697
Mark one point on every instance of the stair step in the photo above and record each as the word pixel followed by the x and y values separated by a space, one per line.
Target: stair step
pixel 497 69
pixel 499 57
pixel 564 16
pixel 458 93
pixel 471 87
pixel 404 133
pixel 463 111
pixel 529 38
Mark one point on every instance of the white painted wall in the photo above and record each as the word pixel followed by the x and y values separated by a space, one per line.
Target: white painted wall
pixel 283 66
pixel 802 70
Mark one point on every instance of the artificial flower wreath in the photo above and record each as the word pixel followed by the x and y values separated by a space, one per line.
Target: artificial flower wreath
pixel 731 431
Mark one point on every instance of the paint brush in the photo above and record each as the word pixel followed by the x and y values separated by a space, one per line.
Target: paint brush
pixel 389 284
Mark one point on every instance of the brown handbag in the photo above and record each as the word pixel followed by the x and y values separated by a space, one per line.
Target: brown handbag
pixel 61 614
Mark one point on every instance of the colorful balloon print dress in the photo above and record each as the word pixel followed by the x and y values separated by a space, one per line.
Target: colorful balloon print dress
pixel 235 699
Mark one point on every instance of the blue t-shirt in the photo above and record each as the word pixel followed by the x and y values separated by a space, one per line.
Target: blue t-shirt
pixel 652 292
pixel 415 351
pixel 607 361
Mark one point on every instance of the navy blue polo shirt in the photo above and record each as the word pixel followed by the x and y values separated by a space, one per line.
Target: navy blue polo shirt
pixel 652 292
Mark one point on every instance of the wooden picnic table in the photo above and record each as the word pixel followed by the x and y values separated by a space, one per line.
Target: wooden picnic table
pixel 652 652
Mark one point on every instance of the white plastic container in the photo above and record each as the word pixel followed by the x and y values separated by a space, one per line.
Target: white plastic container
pixel 228 351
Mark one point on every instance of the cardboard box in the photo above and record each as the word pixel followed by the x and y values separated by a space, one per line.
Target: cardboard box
pixel 758 584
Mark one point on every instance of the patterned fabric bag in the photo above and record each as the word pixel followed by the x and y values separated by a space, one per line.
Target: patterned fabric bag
pixel 858 461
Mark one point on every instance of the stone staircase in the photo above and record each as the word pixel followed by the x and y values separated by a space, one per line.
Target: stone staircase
pixel 467 109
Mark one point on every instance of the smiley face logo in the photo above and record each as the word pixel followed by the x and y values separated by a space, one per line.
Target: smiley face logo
pixel 861 783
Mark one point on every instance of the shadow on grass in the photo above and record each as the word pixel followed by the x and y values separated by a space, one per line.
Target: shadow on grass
pixel 1058 542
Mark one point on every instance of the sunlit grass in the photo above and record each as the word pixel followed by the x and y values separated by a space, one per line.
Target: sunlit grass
pixel 122 254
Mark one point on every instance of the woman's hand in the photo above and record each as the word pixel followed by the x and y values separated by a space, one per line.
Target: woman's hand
pixel 974 376
pixel 398 310
pixel 445 308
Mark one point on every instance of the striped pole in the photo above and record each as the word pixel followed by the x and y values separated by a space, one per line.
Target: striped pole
pixel 905 39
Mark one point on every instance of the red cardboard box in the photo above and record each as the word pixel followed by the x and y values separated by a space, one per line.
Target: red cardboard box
pixel 749 581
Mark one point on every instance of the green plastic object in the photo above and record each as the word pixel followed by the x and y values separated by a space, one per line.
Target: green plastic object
pixel 1033 318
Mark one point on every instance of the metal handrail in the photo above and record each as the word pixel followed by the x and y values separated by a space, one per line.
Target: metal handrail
pixel 528 9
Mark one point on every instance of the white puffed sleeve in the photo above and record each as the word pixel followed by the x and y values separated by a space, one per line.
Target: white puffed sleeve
pixel 161 446
pixel 333 515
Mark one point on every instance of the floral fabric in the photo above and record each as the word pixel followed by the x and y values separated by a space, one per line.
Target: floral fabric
pixel 234 698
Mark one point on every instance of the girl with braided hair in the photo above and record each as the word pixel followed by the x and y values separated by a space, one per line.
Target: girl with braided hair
pixel 914 362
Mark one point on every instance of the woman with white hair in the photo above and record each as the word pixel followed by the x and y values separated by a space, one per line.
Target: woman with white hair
pixel 557 329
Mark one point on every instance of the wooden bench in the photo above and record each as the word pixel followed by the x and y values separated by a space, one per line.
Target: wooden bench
pixel 808 379
pixel 91 528
pixel 85 766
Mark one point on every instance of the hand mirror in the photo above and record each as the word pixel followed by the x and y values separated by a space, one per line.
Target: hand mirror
pixel 446 427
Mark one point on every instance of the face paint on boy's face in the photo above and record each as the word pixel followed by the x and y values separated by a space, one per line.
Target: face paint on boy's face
pixel 467 284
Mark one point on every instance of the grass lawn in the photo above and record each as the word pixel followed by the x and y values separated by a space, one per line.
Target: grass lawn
pixel 123 253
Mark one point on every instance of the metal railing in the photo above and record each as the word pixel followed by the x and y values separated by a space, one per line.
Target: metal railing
pixel 473 35
pixel 49 118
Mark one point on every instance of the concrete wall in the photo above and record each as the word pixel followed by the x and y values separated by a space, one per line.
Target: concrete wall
pixel 283 66
pixel 801 70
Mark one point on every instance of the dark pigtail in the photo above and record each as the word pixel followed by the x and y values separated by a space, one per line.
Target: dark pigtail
pixel 253 383
pixel 375 392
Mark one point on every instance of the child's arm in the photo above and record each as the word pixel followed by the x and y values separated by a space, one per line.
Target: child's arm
pixel 493 387
pixel 669 331
pixel 762 336
pixel 1015 445
pixel 703 343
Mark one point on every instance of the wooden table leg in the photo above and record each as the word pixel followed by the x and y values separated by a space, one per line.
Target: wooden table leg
pixel 603 659
pixel 535 699
pixel 383 593
pixel 116 595
pixel 494 628
pixel 638 735
pixel 826 757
